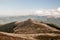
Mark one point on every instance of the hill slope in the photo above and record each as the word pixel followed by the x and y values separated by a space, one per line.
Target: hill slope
pixel 29 30
pixel 41 36
pixel 8 27
pixel 31 26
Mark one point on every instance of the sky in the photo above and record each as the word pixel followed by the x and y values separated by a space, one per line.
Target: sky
pixel 29 7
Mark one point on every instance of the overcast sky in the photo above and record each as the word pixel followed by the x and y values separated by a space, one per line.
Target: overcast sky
pixel 29 7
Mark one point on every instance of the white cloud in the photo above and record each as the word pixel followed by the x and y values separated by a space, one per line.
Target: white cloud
pixel 58 9
pixel 43 12
pixel 48 12
pixel 30 12
pixel 39 11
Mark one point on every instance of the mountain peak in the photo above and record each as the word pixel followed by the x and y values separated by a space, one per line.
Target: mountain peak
pixel 32 26
pixel 29 20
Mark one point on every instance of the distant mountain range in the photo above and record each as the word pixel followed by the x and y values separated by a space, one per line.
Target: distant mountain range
pixel 47 19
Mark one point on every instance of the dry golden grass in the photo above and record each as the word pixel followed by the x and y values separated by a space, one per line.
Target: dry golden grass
pixel 41 36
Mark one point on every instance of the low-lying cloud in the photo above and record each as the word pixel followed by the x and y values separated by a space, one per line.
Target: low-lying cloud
pixel 43 12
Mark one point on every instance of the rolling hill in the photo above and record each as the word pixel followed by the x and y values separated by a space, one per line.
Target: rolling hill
pixel 29 26
pixel 29 29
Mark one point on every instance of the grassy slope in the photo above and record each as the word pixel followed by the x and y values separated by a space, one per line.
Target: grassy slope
pixel 7 27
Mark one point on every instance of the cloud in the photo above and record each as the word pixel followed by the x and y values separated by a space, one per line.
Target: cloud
pixel 58 9
pixel 40 12
pixel 48 12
